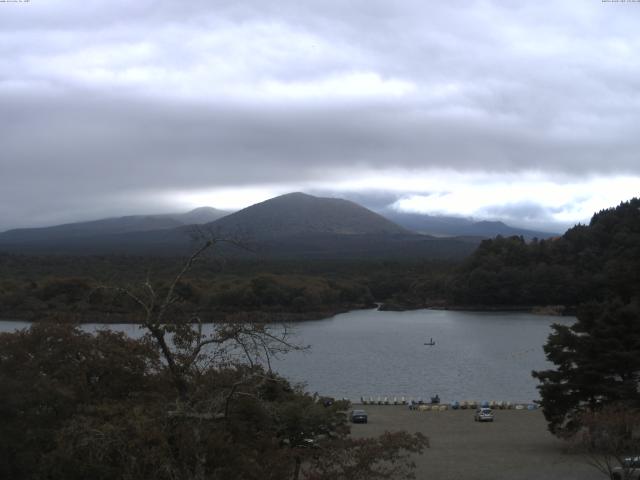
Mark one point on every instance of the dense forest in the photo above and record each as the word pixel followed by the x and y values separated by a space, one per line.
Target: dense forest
pixel 81 287
pixel 589 262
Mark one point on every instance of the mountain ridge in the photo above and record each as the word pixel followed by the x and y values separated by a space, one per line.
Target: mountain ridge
pixel 435 225
pixel 291 225
pixel 116 225
pixel 457 226
pixel 294 225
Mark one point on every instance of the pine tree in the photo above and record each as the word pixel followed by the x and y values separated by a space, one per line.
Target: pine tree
pixel 597 363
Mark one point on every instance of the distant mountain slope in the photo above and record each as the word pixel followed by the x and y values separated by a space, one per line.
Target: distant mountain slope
pixel 302 214
pixel 443 226
pixel 492 229
pixel 295 225
pixel 199 216
pixel 110 226
pixel 367 247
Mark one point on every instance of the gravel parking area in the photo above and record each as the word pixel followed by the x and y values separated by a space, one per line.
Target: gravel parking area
pixel 516 445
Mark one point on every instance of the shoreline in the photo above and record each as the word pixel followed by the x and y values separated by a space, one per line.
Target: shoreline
pixel 282 317
pixel 553 310
pixel 133 318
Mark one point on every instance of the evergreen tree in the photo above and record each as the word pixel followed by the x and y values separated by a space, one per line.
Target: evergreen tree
pixel 589 262
pixel 597 363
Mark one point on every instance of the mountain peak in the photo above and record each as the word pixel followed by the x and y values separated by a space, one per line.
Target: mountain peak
pixel 299 213
pixel 204 209
pixel 294 195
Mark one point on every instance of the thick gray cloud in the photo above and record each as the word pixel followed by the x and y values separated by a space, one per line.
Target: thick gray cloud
pixel 529 215
pixel 108 104
pixel 375 200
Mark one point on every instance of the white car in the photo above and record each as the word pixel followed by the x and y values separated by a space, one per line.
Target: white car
pixel 483 414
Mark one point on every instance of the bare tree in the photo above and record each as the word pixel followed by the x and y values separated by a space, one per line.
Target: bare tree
pixel 610 440
pixel 185 346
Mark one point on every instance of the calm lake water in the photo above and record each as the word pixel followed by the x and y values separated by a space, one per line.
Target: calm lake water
pixel 479 356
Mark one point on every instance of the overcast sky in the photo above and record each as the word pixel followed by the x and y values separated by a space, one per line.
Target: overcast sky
pixel 525 111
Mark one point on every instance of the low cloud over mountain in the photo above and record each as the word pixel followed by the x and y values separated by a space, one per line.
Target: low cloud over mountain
pixel 459 108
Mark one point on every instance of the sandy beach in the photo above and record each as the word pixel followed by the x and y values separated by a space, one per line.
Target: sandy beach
pixel 516 445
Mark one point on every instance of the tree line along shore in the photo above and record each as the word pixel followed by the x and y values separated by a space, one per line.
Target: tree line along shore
pixel 214 294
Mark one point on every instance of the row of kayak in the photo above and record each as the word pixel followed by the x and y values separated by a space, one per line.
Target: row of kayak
pixel 435 401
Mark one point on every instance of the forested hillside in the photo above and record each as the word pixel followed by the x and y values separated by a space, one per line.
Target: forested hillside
pixel 589 262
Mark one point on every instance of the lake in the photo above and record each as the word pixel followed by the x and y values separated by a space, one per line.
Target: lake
pixel 476 356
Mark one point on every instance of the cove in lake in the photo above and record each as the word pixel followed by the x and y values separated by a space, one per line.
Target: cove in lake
pixel 476 356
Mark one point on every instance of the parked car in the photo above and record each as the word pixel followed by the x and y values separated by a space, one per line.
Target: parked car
pixel 483 414
pixel 358 416
pixel 629 470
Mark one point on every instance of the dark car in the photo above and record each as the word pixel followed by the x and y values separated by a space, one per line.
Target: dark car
pixel 358 416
